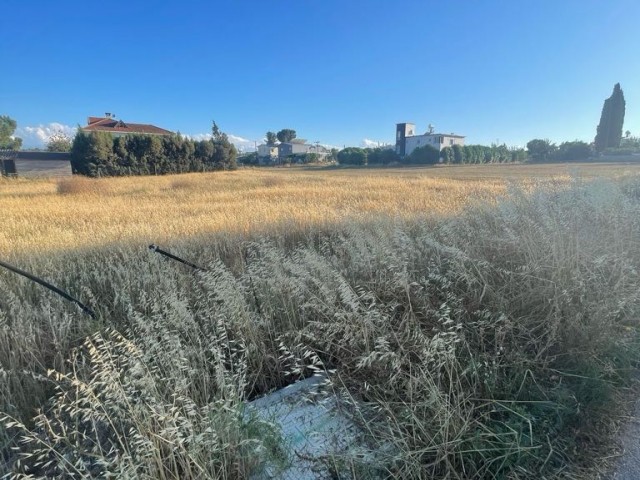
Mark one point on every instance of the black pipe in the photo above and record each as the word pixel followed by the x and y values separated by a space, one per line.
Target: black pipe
pixel 53 288
pixel 155 248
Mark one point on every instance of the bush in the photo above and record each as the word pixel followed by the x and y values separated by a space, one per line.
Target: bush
pixel 621 151
pixel 573 151
pixel 477 154
pixel 352 156
pixel 99 154
pixel 381 156
pixel 541 150
pixel 80 186
pixel 426 155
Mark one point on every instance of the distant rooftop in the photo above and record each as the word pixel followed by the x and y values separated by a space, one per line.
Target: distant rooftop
pixel 112 125
pixel 439 134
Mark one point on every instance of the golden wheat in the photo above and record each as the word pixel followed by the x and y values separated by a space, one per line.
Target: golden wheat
pixel 52 215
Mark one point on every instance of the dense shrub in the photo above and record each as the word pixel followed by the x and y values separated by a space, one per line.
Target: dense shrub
pixel 100 154
pixel 540 150
pixel 546 151
pixel 622 151
pixel 426 155
pixel 477 154
pixel 381 156
pixel 573 151
pixel 352 156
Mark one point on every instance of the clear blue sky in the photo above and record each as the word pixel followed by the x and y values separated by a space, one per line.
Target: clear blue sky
pixel 337 71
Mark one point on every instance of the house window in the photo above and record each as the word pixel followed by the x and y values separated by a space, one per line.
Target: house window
pixel 441 139
pixel 451 141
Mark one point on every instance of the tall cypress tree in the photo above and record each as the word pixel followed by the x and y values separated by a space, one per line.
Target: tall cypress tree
pixel 609 131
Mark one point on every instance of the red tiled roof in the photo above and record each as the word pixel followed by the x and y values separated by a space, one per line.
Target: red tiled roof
pixel 112 125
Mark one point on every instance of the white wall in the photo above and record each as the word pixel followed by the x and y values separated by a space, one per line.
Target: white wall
pixel 411 143
pixel 267 151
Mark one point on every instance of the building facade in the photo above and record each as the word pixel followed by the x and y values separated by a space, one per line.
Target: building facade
pixel 294 148
pixel 407 140
pixel 267 153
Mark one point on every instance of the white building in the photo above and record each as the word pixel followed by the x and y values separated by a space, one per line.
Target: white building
pixel 267 153
pixel 407 140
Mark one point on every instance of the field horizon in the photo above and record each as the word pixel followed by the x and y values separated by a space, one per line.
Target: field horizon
pixel 49 215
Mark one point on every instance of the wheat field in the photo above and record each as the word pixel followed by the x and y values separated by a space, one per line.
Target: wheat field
pixel 479 322
pixel 46 216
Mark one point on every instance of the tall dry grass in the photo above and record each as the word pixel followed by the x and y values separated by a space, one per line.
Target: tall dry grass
pixel 488 344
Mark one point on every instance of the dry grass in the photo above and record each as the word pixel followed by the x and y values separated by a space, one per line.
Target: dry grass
pixel 81 186
pixel 49 215
pixel 487 344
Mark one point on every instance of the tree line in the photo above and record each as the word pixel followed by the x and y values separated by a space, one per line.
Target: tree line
pixel 428 155
pixel 101 154
pixel 98 154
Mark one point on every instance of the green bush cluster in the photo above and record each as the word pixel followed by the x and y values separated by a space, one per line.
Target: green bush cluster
pixel 428 155
pixel 353 156
pixel 475 154
pixel 100 154
pixel 543 150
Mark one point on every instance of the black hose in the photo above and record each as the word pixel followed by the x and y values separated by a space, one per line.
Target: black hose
pixel 53 288
pixel 155 248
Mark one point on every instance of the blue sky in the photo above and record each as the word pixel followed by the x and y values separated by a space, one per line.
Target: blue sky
pixel 339 72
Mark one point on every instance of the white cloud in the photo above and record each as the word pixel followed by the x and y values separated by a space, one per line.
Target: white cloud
pixel 330 147
pixel 198 136
pixel 242 144
pixel 38 136
pixel 368 143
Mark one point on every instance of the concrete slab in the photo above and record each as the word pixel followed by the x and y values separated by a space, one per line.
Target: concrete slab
pixel 314 426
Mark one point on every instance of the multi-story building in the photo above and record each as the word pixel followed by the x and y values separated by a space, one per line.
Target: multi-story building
pixel 279 153
pixel 407 140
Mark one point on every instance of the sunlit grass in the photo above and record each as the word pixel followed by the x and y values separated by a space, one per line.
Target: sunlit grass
pixel 52 215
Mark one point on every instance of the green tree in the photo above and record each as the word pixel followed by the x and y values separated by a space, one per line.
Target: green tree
pixel 92 154
pixel 609 131
pixel 225 153
pixel 271 138
pixel 59 142
pixel 381 156
pixel 286 135
pixel 7 129
pixel 426 155
pixel 447 155
pixel 352 156
pixel 458 154
pixel 540 150
pixel 573 151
